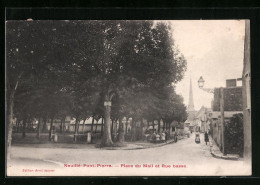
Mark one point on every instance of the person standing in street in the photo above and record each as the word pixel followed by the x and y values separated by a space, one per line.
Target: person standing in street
pixel 163 138
pixel 175 136
pixel 206 137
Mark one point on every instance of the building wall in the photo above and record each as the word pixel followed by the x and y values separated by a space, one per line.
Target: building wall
pixel 217 131
pixel 86 128
pixel 232 99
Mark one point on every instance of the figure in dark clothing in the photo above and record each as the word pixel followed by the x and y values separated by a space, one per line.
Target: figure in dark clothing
pixel 166 136
pixel 175 137
pixel 206 137
pixel 197 138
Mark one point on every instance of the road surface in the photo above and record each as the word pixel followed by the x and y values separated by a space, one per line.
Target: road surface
pixel 182 158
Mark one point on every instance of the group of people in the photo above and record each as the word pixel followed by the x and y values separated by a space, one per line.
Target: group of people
pixel 156 137
pixel 206 137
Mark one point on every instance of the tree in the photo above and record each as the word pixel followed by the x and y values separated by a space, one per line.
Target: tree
pixel 144 48
pixel 85 63
pixel 21 65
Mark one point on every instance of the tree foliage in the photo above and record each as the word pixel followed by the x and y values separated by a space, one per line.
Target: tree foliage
pixel 59 68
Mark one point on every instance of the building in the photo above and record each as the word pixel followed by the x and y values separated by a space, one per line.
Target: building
pixel 84 126
pixel 232 105
pixel 57 124
pixel 201 120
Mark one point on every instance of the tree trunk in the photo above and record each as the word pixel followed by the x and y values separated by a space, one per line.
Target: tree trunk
pixel 24 126
pixel 92 124
pixel 106 137
pixel 153 125
pixel 126 125
pixel 50 131
pixel 142 125
pixel 112 126
pixel 102 125
pixel 20 125
pixel 76 130
pixel 96 126
pixel 61 125
pixel 44 127
pixel 16 125
pixel 10 108
pixel 132 125
pixel 83 129
pixel 159 126
pixel 39 128
pixel 31 124
pixel 133 129
pixel 10 112
pixel 121 136
pixel 78 126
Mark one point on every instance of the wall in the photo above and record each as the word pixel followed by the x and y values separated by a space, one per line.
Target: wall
pixel 87 128
pixel 216 126
pixel 71 127
pixel 232 99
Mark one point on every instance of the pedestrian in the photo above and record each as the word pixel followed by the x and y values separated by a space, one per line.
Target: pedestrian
pixel 206 137
pixel 154 137
pixel 175 136
pixel 163 138
pixel 197 138
pixel 166 136
pixel 157 140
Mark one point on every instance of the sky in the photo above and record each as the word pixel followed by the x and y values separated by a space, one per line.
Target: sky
pixel 213 49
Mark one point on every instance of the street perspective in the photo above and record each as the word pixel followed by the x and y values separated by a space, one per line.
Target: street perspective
pixel 128 98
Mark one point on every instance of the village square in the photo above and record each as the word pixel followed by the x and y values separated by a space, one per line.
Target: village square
pixel 127 98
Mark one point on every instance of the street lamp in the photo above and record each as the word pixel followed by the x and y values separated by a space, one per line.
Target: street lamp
pixel 201 82
pixel 222 120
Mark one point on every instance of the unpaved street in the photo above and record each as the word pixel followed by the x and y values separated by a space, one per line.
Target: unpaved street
pixel 193 159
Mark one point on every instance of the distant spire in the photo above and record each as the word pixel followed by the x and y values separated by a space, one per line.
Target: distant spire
pixel 191 103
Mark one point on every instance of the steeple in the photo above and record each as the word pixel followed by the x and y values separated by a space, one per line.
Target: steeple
pixel 191 103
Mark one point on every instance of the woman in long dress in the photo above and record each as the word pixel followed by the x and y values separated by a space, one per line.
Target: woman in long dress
pixel 206 137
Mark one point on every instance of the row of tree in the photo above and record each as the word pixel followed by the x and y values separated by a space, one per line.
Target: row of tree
pixel 60 68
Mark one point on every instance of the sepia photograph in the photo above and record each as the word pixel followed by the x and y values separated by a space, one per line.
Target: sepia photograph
pixel 128 98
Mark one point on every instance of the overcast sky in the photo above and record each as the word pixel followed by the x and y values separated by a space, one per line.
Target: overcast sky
pixel 213 49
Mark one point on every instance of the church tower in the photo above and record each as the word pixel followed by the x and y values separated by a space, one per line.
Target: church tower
pixel 190 109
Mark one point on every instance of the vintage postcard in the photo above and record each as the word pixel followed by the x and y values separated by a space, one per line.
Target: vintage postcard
pixel 128 98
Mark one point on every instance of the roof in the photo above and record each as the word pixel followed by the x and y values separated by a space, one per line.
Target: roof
pixel 202 111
